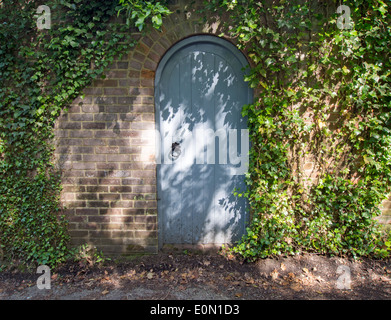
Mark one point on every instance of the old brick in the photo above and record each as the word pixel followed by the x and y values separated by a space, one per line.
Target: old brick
pixel 118 126
pixel 144 204
pixel 105 117
pixel 89 226
pixel 116 74
pixel 109 196
pixel 109 181
pixel 144 189
pixel 75 204
pixel 121 219
pixel 98 204
pixel 149 117
pixel 122 65
pixel 92 91
pixel 105 100
pixel 99 234
pixel 78 234
pixel 145 234
pixel 143 108
pixel 121 204
pixel 135 226
pixel 150 65
pixel 105 83
pixel 74 109
pixel 87 181
pixel 83 165
pixel 94 158
pixel 106 134
pixel 129 100
pixel 94 125
pixel 134 212
pixel 66 196
pixel 83 150
pixel 107 150
pixel 107 166
pixel 99 219
pixel 81 117
pixel 91 109
pixel 132 166
pixel 147 74
pixel 73 189
pixel 153 56
pixel 159 49
pixel 140 57
pixel 120 189
pixel 134 65
pixel 110 211
pixel 148 100
pixel 97 188
pixel 69 125
pixel 134 74
pixel 142 48
pixel 132 117
pixel 92 174
pixel 117 109
pixel 145 219
pixel 80 134
pixel 115 91
pixel 74 219
pixel 131 82
pixel 81 100
pixel 118 157
pixel 94 142
pixel 143 126
pixel 118 142
pixel 143 173
pixel 70 142
pixel 87 212
pixel 87 196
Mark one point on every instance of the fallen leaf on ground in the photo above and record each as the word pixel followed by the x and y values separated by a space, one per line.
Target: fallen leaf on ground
pixel 296 287
pixel 283 267
pixel 104 292
pixel 274 274
pixel 228 278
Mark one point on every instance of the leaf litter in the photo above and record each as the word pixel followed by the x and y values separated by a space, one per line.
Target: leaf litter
pixel 206 276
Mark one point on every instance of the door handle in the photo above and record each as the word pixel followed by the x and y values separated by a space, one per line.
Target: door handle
pixel 175 151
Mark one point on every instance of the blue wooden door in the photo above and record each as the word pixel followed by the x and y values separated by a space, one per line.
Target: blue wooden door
pixel 202 142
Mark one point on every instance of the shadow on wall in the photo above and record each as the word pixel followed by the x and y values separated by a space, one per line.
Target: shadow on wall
pixel 199 96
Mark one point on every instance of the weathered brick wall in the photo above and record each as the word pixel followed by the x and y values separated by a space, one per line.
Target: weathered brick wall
pixel 105 145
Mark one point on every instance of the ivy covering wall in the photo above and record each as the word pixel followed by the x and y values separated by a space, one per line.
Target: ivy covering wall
pixel 47 59
pixel 323 97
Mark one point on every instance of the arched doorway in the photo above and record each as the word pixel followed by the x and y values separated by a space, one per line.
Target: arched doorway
pixel 203 142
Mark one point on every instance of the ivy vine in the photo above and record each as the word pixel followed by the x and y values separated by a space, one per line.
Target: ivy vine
pixel 42 72
pixel 324 99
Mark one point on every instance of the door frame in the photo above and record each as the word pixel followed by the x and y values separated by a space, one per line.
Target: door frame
pixel 204 38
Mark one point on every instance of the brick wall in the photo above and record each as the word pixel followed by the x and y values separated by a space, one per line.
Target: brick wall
pixel 105 145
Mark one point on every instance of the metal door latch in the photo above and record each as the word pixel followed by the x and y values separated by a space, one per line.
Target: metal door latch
pixel 175 151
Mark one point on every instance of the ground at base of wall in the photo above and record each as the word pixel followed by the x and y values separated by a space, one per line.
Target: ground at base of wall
pixel 168 276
